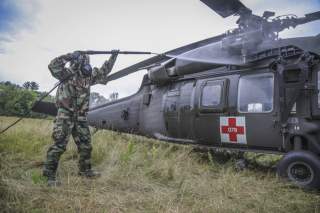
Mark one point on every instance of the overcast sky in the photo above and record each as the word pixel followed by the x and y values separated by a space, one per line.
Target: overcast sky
pixel 32 32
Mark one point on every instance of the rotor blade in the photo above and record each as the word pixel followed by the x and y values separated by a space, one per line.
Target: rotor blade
pixel 313 16
pixel 163 57
pixel 97 52
pixel 310 17
pixel 227 8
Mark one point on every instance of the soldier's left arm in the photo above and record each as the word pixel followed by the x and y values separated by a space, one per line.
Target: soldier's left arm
pixel 100 75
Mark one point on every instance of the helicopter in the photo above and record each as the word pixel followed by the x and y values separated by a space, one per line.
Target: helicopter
pixel 247 90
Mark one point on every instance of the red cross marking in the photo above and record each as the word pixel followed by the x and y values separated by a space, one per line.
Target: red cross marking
pixel 232 129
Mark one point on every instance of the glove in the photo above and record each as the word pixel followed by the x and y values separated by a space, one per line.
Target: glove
pixel 75 55
pixel 115 52
pixel 72 56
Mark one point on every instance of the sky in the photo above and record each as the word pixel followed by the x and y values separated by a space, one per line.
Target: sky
pixel 33 32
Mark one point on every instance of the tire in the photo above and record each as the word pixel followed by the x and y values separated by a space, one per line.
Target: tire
pixel 302 168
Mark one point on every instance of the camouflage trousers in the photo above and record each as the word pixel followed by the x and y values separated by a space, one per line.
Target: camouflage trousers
pixel 67 124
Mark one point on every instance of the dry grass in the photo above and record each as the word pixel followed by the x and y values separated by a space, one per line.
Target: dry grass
pixel 138 175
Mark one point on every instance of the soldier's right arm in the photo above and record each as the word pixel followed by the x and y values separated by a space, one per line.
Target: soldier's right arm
pixel 100 76
pixel 57 66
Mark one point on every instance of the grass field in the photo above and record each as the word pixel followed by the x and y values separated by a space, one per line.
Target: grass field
pixel 138 175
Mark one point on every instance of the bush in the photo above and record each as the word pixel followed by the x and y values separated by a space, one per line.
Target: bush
pixel 17 101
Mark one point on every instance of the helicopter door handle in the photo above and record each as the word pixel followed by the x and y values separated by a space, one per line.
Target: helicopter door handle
pixel 186 108
pixel 173 107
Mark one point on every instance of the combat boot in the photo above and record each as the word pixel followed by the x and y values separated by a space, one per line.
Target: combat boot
pixel 85 170
pixel 51 179
pixel 53 182
pixel 89 173
pixel 50 175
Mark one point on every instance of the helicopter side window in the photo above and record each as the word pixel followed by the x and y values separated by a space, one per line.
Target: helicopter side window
pixel 211 95
pixel 212 98
pixel 255 94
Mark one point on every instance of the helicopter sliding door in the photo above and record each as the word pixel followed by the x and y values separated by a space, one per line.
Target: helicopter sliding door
pixel 256 112
pixel 179 110
pixel 210 105
pixel 171 110
pixel 186 110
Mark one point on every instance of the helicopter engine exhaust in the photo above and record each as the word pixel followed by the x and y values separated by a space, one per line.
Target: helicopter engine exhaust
pixel 178 67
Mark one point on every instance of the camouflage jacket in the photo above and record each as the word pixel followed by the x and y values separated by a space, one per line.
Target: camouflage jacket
pixel 73 94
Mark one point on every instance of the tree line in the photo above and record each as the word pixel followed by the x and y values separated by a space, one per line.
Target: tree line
pixel 16 100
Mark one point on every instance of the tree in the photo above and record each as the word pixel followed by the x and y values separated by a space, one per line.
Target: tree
pixel 113 96
pixel 15 101
pixel 97 99
pixel 34 86
pixel 7 83
pixel 26 85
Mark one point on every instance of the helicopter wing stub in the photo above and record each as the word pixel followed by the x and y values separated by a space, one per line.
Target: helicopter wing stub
pixel 227 8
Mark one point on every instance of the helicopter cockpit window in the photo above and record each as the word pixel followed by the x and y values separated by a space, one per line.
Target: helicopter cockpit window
pixel 255 93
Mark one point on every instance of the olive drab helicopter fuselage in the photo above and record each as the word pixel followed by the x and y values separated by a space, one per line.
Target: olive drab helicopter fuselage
pixel 246 89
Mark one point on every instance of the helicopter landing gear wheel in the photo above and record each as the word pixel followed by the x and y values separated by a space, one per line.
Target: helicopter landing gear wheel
pixel 302 168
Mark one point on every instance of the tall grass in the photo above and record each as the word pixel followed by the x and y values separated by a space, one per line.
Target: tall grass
pixel 138 175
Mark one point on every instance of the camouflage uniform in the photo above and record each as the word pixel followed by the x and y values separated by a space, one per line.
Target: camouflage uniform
pixel 72 100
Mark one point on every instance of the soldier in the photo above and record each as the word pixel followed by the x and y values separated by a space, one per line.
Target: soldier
pixel 72 100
